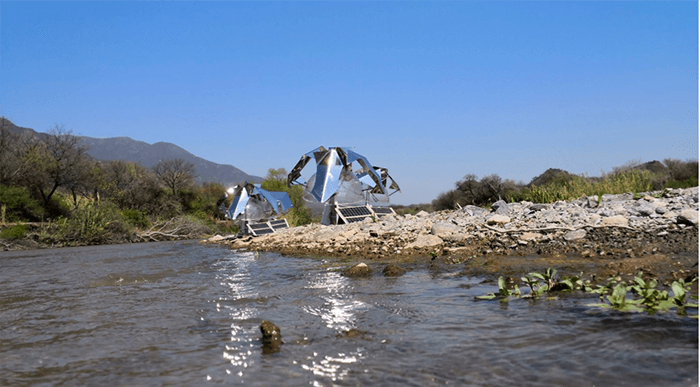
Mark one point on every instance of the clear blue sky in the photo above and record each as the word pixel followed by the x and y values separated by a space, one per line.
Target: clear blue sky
pixel 431 90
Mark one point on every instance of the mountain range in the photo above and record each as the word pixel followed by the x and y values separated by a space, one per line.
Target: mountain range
pixel 148 155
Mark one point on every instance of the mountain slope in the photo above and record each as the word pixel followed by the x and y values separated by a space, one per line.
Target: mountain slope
pixel 148 155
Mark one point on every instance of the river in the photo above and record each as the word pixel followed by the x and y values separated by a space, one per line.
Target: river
pixel 185 314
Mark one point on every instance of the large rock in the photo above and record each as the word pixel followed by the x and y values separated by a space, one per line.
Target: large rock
pixel 442 228
pixel 473 210
pixel 500 207
pixel 591 201
pixel 645 209
pixel 689 217
pixel 530 236
pixel 271 337
pixel 359 270
pixel 425 240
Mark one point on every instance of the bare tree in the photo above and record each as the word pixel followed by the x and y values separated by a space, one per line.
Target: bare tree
pixel 175 174
pixel 57 161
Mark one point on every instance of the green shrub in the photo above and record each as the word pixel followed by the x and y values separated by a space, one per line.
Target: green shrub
pixel 14 232
pixel 690 182
pixel 19 204
pixel 136 218
pixel 93 224
pixel 577 186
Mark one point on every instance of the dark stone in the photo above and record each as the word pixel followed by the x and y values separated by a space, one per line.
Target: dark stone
pixel 500 207
pixel 359 270
pixel 393 271
pixel 271 337
pixel 539 207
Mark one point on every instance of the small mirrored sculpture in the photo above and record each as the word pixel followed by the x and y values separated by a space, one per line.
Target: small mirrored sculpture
pixel 253 206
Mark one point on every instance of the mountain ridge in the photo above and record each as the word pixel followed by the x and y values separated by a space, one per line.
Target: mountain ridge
pixel 127 149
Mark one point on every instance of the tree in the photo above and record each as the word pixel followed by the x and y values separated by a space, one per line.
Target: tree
pixel 57 160
pixel 276 180
pixel 175 174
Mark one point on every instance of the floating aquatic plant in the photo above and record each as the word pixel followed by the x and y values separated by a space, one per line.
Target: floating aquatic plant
pixel 645 295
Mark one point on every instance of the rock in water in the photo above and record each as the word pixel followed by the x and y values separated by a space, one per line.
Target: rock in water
pixel 393 271
pixel 359 270
pixel 271 337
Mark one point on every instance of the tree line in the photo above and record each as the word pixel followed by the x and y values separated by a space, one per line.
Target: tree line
pixel 49 177
pixel 556 184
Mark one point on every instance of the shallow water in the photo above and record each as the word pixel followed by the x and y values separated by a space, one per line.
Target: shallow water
pixel 180 313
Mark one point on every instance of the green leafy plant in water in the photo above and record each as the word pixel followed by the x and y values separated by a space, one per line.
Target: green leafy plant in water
pixel 650 298
pixel 607 288
pixel 614 291
pixel 680 290
pixel 503 291
pixel 536 289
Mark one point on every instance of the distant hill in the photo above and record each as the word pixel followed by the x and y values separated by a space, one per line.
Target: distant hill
pixel 148 155
pixel 550 175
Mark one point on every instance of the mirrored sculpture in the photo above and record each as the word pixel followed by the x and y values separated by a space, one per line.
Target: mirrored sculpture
pixel 255 208
pixel 337 185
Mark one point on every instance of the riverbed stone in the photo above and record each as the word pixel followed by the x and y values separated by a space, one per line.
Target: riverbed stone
pixel 498 219
pixel 442 228
pixel 425 241
pixel 688 217
pixel 392 270
pixel 359 270
pixel 616 220
pixel 500 207
pixel 574 235
pixel 271 337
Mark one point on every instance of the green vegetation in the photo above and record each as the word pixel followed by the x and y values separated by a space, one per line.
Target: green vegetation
pixel 647 296
pixel 276 180
pixel 556 184
pixel 17 204
pixel 52 192
pixel 17 231
pixel 577 186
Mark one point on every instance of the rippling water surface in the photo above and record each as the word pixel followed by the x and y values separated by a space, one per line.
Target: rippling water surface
pixel 179 313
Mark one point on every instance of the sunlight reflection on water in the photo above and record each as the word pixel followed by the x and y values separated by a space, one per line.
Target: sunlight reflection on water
pixel 339 308
pixel 197 320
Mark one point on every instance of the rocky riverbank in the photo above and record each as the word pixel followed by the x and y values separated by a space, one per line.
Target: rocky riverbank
pixel 655 232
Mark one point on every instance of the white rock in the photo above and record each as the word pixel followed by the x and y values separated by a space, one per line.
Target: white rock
pixel 617 220
pixel 426 240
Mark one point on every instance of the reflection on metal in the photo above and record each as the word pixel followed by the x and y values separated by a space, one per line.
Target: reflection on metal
pixel 254 206
pixel 337 184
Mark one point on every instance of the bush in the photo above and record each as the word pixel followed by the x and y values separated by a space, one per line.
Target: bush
pixel 19 205
pixel 93 224
pixel 136 218
pixel 577 186
pixel 276 181
pixel 14 232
